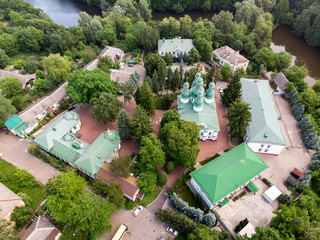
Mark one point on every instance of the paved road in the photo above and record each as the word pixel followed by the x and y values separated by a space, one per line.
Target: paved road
pixel 14 150
pixel 145 226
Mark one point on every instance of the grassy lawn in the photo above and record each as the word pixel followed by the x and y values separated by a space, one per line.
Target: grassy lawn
pixel 7 177
pixel 150 197
pixel 25 55
pixel 185 193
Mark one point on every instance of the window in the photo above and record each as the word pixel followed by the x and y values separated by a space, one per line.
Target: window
pixel 262 145
pixel 209 133
pixel 266 150
pixel 201 133
pixel 269 146
pixel 260 149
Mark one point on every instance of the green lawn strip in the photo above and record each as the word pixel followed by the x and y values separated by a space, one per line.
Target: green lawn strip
pixel 150 197
pixel 7 171
pixel 185 193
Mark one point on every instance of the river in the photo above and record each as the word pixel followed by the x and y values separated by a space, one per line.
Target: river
pixel 303 55
pixel 66 12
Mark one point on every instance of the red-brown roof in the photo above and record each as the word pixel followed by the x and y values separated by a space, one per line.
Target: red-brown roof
pixel 108 177
pixel 297 172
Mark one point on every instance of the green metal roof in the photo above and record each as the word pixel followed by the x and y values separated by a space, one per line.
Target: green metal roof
pixel 224 202
pixel 98 152
pixel 228 172
pixel 16 123
pixel 207 117
pixel 57 130
pixel 253 187
pixel 170 45
pixel 88 157
pixel 64 148
pixel 265 125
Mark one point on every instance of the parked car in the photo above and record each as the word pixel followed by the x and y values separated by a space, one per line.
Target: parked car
pixel 130 65
pixel 221 90
pixel 172 231
pixel 161 238
pixel 137 211
pixel 71 107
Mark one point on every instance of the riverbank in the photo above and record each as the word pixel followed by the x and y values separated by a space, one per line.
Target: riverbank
pixel 283 39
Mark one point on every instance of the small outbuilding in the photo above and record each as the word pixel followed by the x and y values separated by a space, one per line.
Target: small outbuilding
pixel 16 125
pixel 271 194
pixel 280 82
pixel 248 231
pixel 296 173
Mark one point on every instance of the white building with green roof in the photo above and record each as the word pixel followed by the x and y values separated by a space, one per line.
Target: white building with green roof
pixel 175 46
pixel 197 105
pixel 226 175
pixel 264 134
pixel 60 140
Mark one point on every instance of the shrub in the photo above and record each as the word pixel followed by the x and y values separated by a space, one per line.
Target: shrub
pixel 285 199
pixel 129 205
pixel 306 178
pixel 162 178
pixel 266 181
pixel 30 65
pixel 25 179
pixel 120 166
pixel 196 214
pixel 19 64
pixel 21 215
pixel 25 198
pixel 209 220
pixel 241 225
pixel 178 221
pixel 36 151
pixel 178 184
pixel 314 165
pixel 170 167
pixel 209 159
pixel 291 181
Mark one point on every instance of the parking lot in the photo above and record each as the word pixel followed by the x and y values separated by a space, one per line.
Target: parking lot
pixel 145 226
pixel 258 211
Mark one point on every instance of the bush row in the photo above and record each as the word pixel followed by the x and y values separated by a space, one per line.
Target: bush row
pixel 36 151
pixel 209 159
pixel 178 184
pixel 306 122
pixel 196 214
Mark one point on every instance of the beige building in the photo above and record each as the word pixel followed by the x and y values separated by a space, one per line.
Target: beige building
pixel 8 201
pixel 40 229
pixel 226 55
pixel 39 110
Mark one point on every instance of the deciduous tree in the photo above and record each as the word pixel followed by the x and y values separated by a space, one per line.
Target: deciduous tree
pixel 7 231
pixel 4 59
pixel 120 166
pixel 106 108
pixel 147 182
pixel 151 152
pixel 180 140
pixel 169 116
pixel 10 86
pixel 145 12
pixel 6 109
pixel 57 67
pixel 85 86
